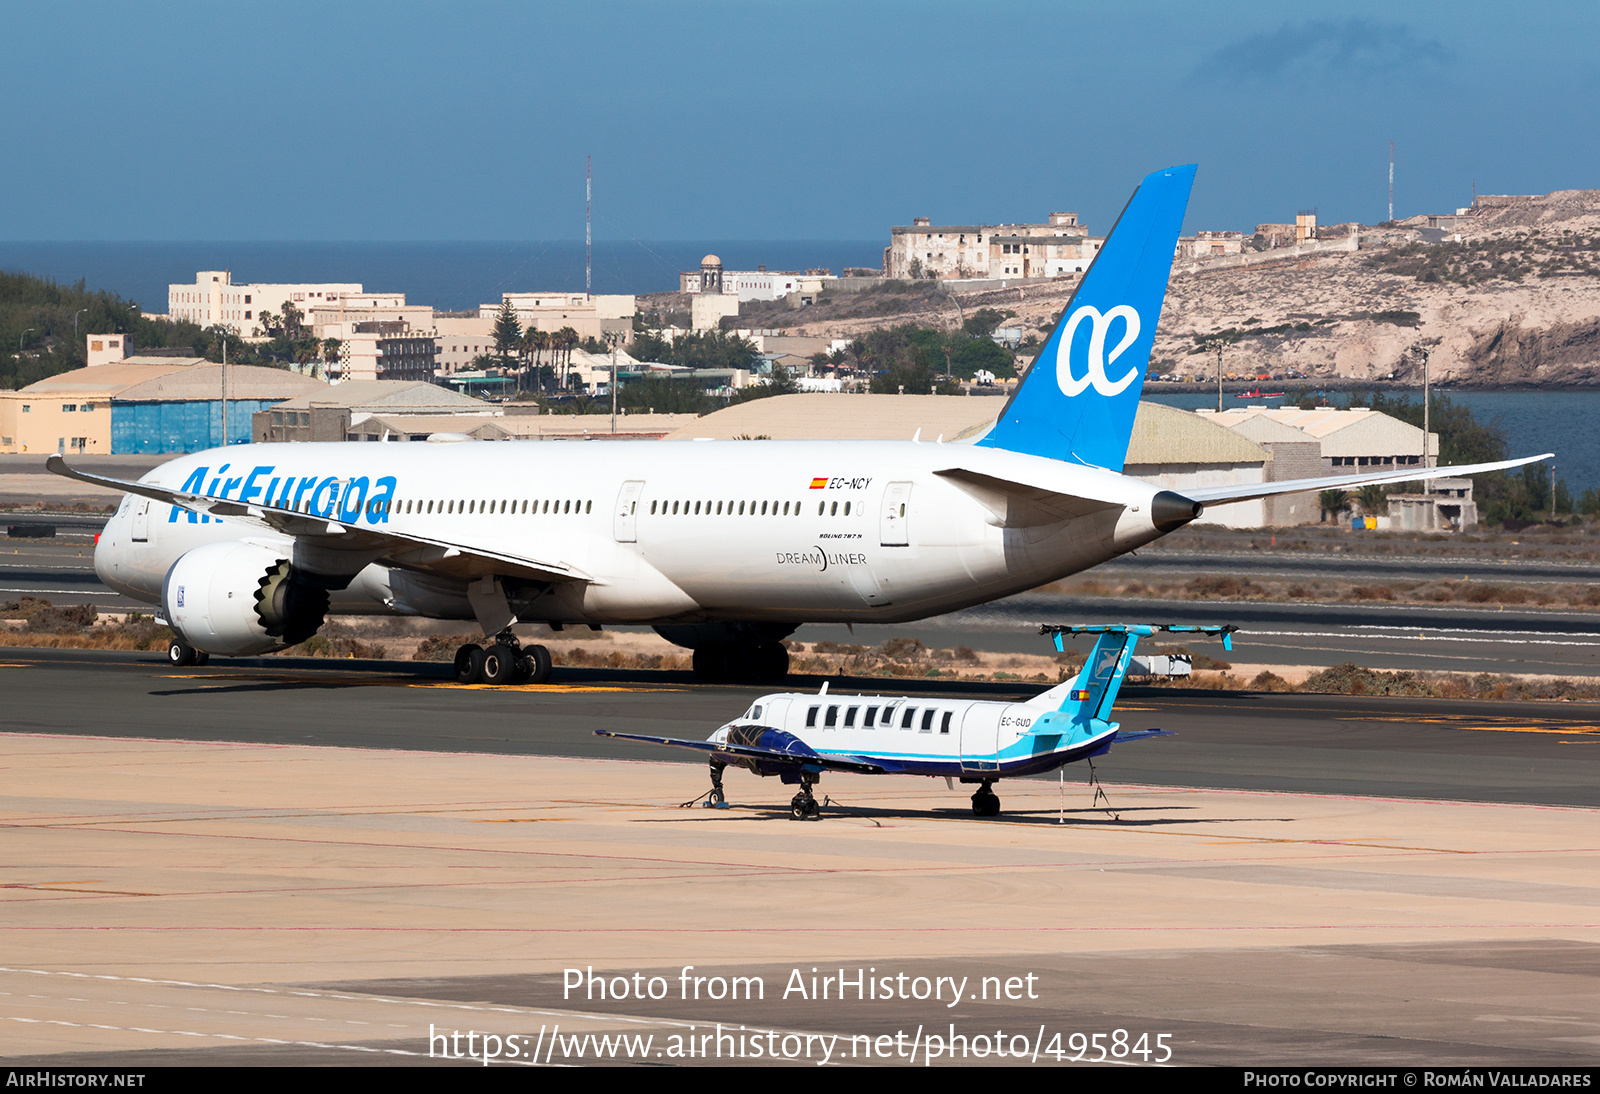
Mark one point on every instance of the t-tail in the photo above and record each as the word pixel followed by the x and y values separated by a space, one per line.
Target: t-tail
pixel 1085 701
pixel 1078 400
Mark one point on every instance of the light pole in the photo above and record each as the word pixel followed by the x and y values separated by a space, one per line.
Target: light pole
pixel 615 338
pixel 1217 344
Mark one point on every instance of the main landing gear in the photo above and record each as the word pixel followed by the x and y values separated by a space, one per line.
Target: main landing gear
pixel 181 655
pixel 762 663
pixel 803 806
pixel 504 662
pixel 985 803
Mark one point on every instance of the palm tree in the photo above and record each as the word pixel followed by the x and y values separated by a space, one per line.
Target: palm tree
pixel 1373 499
pixel 1333 502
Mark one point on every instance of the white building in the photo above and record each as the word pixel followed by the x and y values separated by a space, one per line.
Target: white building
pixel 214 299
pixel 591 316
pixel 1061 247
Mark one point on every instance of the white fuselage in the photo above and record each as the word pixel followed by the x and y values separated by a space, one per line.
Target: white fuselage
pixel 660 532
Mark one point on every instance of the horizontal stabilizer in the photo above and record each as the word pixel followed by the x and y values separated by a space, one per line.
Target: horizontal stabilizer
pixel 1220 495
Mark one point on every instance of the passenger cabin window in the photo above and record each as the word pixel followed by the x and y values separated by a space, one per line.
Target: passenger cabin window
pixel 850 716
pixel 811 717
pixel 910 715
pixel 872 712
pixel 927 720
pixel 944 724
pixel 832 719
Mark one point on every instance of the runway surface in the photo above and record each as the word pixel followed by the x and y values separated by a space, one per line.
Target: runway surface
pixel 1390 636
pixel 1544 753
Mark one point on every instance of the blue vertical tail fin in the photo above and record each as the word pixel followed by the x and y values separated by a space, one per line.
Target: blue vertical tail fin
pixel 1078 400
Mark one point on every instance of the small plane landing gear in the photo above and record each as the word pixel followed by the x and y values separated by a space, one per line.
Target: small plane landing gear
pixel 985 803
pixel 803 806
pixel 504 662
pixel 716 799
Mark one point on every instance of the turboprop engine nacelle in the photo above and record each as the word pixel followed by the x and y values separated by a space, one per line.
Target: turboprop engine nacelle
pixel 240 598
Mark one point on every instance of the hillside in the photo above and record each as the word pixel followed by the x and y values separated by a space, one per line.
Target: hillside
pixel 1509 296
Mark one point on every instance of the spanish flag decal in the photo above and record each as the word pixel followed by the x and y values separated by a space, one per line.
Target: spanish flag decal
pixel 1080 694
pixel 818 484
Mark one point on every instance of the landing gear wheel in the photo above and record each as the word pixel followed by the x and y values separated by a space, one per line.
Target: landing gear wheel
pixel 716 799
pixel 803 806
pixel 772 662
pixel 469 664
pixel 710 664
pixel 499 664
pixel 201 657
pixel 539 657
pixel 180 654
pixel 985 803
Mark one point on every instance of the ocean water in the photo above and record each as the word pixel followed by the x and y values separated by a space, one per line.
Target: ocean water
pixel 460 276
pixel 449 276
pixel 1563 422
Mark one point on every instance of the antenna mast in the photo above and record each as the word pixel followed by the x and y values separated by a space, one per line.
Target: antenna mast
pixel 588 200
pixel 1391 180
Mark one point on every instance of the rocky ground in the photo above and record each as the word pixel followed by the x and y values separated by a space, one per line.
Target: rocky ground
pixel 1508 297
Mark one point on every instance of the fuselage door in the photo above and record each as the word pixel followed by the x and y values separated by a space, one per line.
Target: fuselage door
pixel 980 738
pixel 141 520
pixel 625 523
pixel 894 528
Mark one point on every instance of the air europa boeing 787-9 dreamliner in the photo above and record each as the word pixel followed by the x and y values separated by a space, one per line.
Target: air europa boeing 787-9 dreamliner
pixel 724 547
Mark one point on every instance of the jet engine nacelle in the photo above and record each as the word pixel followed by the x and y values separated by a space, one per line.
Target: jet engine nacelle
pixel 239 598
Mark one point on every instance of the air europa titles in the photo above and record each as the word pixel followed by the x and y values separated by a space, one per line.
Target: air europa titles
pixel 350 500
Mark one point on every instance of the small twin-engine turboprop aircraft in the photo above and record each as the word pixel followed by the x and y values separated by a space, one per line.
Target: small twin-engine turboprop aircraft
pixel 799 736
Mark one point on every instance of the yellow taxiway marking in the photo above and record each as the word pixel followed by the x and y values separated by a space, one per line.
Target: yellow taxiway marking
pixel 1502 724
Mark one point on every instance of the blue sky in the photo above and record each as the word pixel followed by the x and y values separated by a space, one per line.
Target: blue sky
pixel 763 120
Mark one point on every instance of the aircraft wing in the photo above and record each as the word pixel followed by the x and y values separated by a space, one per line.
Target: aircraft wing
pixel 858 764
pixel 407 550
pixel 1219 495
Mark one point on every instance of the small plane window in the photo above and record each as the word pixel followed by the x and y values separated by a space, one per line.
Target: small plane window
pixel 472 506
pixel 927 720
pixel 911 713
pixel 588 506
pixel 719 508
pixel 763 508
pixel 785 508
pixel 755 712
pixel 821 505
pixel 674 508
pixel 697 509
pixel 524 505
pixel 835 510
pixel 811 717
pixel 833 717
pixel 872 713
pixel 568 508
pixel 430 507
pixel 850 716
pixel 741 508
pixel 652 509
pixel 847 509
pixel 944 723
pixel 452 508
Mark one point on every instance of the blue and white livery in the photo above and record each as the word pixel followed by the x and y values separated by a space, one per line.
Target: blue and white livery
pixel 798 736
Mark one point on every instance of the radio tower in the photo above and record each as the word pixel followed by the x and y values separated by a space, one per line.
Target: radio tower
pixel 589 197
pixel 1391 180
